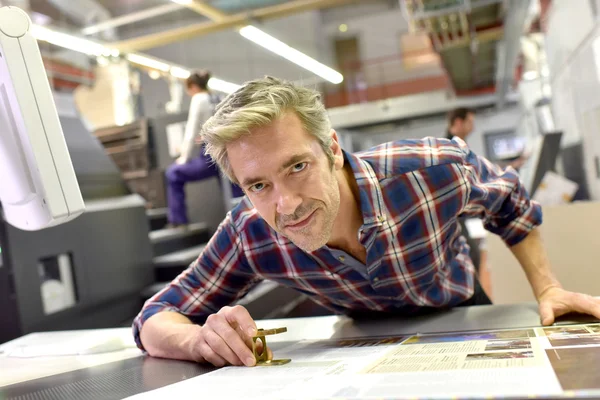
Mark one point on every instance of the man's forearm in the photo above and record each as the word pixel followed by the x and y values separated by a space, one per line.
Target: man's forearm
pixel 532 256
pixel 170 335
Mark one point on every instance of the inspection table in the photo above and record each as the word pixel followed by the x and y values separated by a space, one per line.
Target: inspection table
pixel 126 372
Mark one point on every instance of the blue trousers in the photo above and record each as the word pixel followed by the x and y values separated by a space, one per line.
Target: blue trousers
pixel 196 169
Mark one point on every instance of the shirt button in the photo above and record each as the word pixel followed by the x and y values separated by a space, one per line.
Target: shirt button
pixel 376 279
pixel 380 218
pixel 342 258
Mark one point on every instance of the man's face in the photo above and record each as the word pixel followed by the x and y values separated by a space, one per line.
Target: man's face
pixel 465 126
pixel 289 179
pixel 469 124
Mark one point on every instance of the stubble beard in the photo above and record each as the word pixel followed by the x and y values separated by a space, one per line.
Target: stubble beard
pixel 307 239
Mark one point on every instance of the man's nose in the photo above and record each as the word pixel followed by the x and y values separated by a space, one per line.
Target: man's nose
pixel 287 201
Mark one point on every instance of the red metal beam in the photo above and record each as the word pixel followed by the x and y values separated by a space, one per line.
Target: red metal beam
pixel 63 84
pixel 476 92
pixel 67 69
pixel 381 92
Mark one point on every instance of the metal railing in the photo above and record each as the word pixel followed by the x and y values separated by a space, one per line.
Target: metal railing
pixel 386 77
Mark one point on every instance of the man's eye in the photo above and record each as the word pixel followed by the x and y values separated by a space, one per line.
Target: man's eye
pixel 299 167
pixel 256 188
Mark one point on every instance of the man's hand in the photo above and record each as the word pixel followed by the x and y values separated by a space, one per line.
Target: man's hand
pixel 519 162
pixel 181 160
pixel 555 302
pixel 226 338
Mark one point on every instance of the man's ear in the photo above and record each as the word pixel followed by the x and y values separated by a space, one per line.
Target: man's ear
pixel 336 149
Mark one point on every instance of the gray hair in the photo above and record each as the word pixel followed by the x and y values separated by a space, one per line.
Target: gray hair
pixel 258 103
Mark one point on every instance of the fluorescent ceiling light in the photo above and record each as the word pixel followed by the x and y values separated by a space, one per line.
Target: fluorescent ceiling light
pixel 180 73
pixel 222 86
pixel 154 74
pixel 270 43
pixel 148 62
pixel 92 48
pixel 70 42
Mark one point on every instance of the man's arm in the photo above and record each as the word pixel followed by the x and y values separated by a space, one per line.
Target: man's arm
pixel 169 334
pixel 531 254
pixel 553 299
pixel 165 328
pixel 499 198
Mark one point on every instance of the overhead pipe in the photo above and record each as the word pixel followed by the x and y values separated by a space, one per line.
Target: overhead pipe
pixel 132 17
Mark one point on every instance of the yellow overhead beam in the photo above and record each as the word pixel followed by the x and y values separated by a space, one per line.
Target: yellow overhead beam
pixel 224 22
pixel 207 10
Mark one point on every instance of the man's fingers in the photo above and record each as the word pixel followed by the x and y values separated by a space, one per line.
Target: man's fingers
pixel 221 347
pixel 210 356
pixel 239 316
pixel 595 307
pixel 244 336
pixel 546 313
pixel 229 335
pixel 587 305
pixel 561 302
pixel 236 347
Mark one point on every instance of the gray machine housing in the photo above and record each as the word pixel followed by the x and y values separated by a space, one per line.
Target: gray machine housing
pixel 109 249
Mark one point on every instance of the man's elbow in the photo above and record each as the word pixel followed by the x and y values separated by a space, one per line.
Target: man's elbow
pixel 147 335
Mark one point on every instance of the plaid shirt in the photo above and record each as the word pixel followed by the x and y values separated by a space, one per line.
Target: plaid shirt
pixel 411 193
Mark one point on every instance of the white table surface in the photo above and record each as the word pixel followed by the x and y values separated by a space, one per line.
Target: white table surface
pixel 14 370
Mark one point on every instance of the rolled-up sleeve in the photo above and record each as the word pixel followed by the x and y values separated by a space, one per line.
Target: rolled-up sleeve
pixel 498 197
pixel 217 278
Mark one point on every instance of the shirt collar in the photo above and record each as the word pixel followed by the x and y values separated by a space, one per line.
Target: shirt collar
pixel 371 198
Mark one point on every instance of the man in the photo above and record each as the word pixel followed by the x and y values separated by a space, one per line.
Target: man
pixel 375 232
pixel 461 122
pixel 190 167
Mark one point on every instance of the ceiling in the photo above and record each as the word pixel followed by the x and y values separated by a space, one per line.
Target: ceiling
pixel 167 16
pixel 465 33
pixel 472 65
pixel 232 6
pixel 118 8
pixel 466 38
